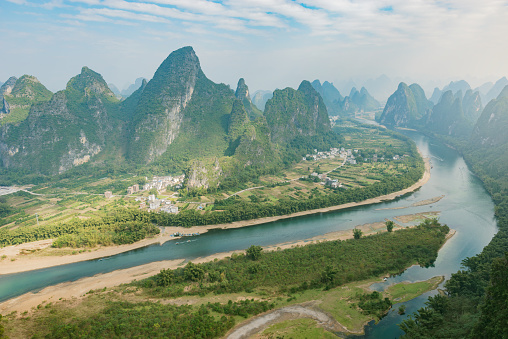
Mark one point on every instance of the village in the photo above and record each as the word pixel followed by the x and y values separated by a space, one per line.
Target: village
pixel 156 202
pixel 156 185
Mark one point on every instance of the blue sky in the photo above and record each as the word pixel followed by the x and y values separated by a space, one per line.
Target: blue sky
pixel 271 43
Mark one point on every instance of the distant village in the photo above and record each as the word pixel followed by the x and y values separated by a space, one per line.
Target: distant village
pixel 152 202
pixel 348 154
pixel 161 183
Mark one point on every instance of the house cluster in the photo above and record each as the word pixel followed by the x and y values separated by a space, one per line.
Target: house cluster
pixel 333 183
pixel 348 154
pixel 153 203
pixel 331 154
pixel 160 183
pixel 132 189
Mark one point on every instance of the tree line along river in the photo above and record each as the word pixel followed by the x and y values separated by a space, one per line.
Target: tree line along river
pixel 466 207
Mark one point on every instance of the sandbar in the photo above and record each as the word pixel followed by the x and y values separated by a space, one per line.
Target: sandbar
pixel 79 288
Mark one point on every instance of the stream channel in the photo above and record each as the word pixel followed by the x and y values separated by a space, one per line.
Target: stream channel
pixel 466 207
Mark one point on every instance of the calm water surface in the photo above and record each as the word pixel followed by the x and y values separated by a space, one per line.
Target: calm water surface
pixel 466 208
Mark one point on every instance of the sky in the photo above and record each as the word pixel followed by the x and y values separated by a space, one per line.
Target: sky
pixel 270 43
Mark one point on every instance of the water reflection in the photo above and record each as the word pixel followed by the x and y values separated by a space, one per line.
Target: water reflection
pixel 466 207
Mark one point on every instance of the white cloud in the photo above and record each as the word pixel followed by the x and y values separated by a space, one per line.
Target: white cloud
pixel 330 38
pixel 18 2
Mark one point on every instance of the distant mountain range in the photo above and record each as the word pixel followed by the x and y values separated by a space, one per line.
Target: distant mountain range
pixel 260 98
pixel 356 101
pixel 490 129
pixel 127 91
pixel 487 91
pixel 456 113
pixel 179 120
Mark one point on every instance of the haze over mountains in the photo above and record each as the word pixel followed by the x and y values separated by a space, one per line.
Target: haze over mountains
pixel 182 121
pixel 356 101
pixel 455 114
pixel 179 119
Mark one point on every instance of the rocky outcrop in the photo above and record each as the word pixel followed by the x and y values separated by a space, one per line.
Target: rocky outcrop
pixel 255 147
pixel 5 108
pixel 447 117
pixel 6 88
pixel 292 113
pixel 490 129
pixel 238 120
pixel 494 92
pixel 18 99
pixel 64 132
pixel 405 107
pixel 472 106
pixel 159 112
pixel 242 94
pixel 331 97
pixel 202 175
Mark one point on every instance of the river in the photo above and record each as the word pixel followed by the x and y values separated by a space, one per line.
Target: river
pixel 466 207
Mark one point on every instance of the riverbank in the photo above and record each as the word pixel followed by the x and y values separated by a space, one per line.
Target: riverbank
pixel 37 255
pixel 78 289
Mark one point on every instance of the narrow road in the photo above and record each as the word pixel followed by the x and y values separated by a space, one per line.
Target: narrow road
pixel 262 322
pixel 253 188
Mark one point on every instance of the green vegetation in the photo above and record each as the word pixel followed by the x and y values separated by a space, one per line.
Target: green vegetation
pixel 357 234
pixel 26 91
pixel 374 303
pixel 291 113
pixel 301 268
pixel 119 319
pixel 254 252
pixel 2 330
pixel 224 292
pixel 83 133
pixel 389 225
pixel 236 209
pixel 447 117
pixel 279 197
pixel 475 301
pixel 406 106
pixel 406 291
pixel 120 227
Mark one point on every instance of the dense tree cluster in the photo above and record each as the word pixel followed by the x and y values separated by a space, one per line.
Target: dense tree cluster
pixel 374 303
pixel 143 320
pixel 323 265
pixel 243 308
pixel 122 226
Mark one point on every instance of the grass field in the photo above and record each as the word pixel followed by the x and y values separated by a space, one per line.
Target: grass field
pixel 83 197
pixel 339 303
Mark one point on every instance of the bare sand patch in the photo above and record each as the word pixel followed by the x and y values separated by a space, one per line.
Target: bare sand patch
pixel 416 216
pixel 428 201
pixel 416 204
pixel 305 310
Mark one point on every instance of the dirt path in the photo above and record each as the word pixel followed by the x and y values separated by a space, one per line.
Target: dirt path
pixel 260 323
pixel 253 188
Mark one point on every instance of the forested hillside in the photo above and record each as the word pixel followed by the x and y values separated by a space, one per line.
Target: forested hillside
pixel 475 302
pixel 178 122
